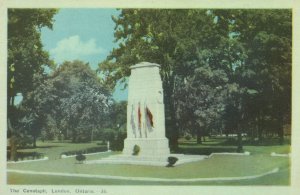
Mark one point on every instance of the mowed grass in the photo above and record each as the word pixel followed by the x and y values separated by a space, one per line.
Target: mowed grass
pixel 258 162
pixel 279 178
pixel 216 166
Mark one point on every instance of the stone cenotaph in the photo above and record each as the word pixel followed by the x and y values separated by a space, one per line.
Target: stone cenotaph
pixel 145 112
pixel 146 142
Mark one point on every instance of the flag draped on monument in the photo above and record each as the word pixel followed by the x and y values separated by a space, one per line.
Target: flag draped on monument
pixel 132 121
pixel 149 118
pixel 140 119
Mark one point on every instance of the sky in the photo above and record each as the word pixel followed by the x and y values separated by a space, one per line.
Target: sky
pixel 82 34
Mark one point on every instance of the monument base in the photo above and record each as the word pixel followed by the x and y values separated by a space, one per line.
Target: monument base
pixel 153 152
pixel 148 146
pixel 147 160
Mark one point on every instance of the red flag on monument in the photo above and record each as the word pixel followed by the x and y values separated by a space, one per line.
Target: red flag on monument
pixel 149 116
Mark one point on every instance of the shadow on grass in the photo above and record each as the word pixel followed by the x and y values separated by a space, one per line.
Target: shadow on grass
pixel 86 151
pixel 205 150
pixel 27 155
pixel 249 142
pixel 31 147
pixel 232 141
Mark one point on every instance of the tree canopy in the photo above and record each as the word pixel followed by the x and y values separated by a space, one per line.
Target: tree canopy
pixel 73 97
pixel 26 57
pixel 248 51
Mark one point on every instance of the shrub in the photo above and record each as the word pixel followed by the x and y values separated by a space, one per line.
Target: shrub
pixel 136 150
pixel 25 140
pixel 188 137
pixel 107 135
pixel 172 160
pixel 118 143
pixel 80 158
pixel 81 138
pixel 86 151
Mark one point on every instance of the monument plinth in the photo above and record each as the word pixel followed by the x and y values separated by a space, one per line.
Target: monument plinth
pixel 145 112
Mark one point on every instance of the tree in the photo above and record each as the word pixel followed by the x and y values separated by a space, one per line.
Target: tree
pixel 25 58
pixel 159 36
pixel 118 116
pixel 202 99
pixel 25 50
pixel 266 69
pixel 75 98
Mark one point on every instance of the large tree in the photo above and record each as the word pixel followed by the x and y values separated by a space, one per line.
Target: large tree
pixel 201 100
pixel 166 37
pixel 75 98
pixel 25 58
pixel 264 74
pixel 25 50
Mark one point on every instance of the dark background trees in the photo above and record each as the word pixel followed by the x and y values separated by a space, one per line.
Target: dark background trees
pixel 26 57
pixel 248 51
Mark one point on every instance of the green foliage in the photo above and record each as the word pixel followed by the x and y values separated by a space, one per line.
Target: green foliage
pixel 80 158
pixel 172 160
pixel 71 101
pixel 85 151
pixel 26 58
pixel 266 36
pixel 226 67
pixel 166 37
pixel 188 137
pixel 107 134
pixel 118 143
pixel 201 99
pixel 118 116
pixel 136 150
pixel 25 50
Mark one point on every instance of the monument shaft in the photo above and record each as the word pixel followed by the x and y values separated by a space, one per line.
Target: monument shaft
pixel 145 112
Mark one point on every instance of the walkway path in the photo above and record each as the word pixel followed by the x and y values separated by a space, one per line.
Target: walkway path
pixel 143 178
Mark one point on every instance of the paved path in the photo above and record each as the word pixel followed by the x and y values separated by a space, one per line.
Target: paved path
pixel 143 178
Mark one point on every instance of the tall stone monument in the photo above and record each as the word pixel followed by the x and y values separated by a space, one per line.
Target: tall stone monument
pixel 145 112
pixel 146 122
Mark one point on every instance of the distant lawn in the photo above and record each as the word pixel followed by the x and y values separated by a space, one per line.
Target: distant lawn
pixel 216 145
pixel 258 162
pixel 53 149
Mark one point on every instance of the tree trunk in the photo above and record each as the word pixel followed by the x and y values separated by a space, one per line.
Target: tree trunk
pixel 280 130
pixel 172 130
pixel 12 142
pixel 92 135
pixel 199 136
pixel 240 144
pixel 175 132
pixel 34 142
pixel 260 128
pixel 13 148
pixel 239 128
pixel 74 136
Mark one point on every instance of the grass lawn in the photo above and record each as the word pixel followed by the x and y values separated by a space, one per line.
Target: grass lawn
pixel 258 162
pixel 279 178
